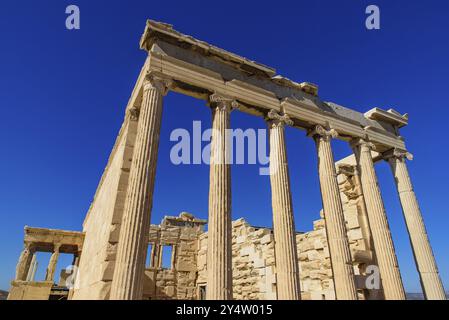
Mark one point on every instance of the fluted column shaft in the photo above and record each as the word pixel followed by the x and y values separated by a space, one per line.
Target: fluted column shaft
pixel 425 261
pixel 219 242
pixel 50 276
pixel 342 268
pixel 32 269
pixel 383 243
pixel 287 270
pixel 127 282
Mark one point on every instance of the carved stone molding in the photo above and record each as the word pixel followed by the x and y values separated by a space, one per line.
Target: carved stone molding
pixel 363 144
pixel 323 133
pixel 397 154
pixel 276 119
pixel 228 104
pixel 158 82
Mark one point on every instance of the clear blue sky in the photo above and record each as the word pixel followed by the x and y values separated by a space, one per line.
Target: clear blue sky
pixel 63 94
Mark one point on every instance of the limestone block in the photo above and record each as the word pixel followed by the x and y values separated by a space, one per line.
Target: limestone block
pixel 312 265
pixel 246 251
pixel 107 270
pixel 259 263
pixel 240 239
pixel 111 251
pixel 355 234
pixel 184 265
pixel 261 232
pixel 238 223
pixel 302 256
pixel 266 239
pixel 352 222
pixel 318 244
pixel 313 255
pixel 318 224
pixel 114 233
pixel 317 233
pixel 22 290
pixel 305 246
pixel 326 253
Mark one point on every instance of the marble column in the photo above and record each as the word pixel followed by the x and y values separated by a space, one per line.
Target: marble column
pixel 159 256
pixel 23 265
pixel 153 256
pixel 287 270
pixel 219 242
pixel 76 259
pixel 75 267
pixel 425 261
pixel 383 243
pixel 341 259
pixel 129 269
pixel 50 276
pixel 32 270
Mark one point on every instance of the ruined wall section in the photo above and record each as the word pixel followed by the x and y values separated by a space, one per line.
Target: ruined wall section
pixel 102 223
pixel 254 270
pixel 315 264
pixel 357 224
pixel 313 251
pixel 253 262
pixel 179 280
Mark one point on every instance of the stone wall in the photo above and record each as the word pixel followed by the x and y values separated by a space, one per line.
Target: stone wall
pixel 252 262
pixel 315 264
pixel 254 271
pixel 359 234
pixel 26 290
pixel 179 281
pixel 102 223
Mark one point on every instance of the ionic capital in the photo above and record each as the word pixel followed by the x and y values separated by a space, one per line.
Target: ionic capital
pixel 222 102
pixel 397 154
pixel 320 132
pixel 56 247
pixel 29 246
pixel 275 119
pixel 133 113
pixel 157 82
pixel 363 144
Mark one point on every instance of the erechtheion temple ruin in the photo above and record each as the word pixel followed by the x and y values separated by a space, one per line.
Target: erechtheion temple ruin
pixel 118 255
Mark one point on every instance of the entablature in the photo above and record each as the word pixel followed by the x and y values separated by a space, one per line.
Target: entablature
pixel 199 69
pixel 45 240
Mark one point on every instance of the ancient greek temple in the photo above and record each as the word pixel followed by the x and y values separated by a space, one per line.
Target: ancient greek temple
pixel 118 253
